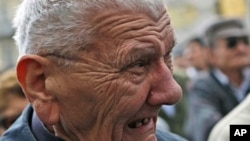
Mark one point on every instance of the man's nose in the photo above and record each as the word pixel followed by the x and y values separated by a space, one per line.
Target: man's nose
pixel 243 47
pixel 164 89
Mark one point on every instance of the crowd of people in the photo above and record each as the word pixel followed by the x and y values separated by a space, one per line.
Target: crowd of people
pixel 88 74
pixel 227 81
pixel 215 77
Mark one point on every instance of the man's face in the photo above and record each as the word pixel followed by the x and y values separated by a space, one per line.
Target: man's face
pixel 116 87
pixel 196 55
pixel 228 56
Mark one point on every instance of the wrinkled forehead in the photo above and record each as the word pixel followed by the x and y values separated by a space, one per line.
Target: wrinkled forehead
pixel 128 25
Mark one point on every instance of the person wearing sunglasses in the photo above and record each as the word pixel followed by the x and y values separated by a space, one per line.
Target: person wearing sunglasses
pixel 227 82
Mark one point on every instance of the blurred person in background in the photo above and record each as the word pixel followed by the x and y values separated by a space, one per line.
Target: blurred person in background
pixel 180 61
pixel 196 54
pixel 12 99
pixel 94 70
pixel 213 95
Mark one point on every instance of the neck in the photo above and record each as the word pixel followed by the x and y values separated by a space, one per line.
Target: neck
pixel 235 76
pixel 97 133
pixel 202 68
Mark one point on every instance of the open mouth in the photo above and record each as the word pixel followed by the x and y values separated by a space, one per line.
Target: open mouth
pixel 140 123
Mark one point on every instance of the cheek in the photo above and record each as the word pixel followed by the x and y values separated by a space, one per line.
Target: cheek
pixel 75 97
pixel 130 100
pixel 106 96
pixel 219 57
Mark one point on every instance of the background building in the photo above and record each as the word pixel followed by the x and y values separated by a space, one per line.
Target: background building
pixel 191 17
pixel 8 51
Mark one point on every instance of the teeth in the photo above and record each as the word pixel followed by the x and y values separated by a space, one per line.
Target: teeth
pixel 139 123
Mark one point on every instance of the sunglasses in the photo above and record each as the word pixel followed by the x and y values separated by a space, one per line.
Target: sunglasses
pixel 233 41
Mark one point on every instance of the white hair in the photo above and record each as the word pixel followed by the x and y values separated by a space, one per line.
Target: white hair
pixel 63 27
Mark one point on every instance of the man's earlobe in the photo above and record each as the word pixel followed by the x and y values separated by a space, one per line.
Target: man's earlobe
pixel 32 78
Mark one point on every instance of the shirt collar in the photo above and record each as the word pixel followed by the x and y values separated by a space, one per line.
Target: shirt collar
pixel 240 91
pixel 40 132
pixel 222 78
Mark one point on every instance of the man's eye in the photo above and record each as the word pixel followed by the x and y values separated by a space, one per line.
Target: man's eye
pixel 138 67
pixel 138 64
pixel 137 70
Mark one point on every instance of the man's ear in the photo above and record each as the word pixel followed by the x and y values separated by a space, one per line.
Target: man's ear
pixel 32 72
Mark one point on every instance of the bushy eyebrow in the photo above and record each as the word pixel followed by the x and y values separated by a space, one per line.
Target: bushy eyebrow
pixel 144 52
pixel 137 53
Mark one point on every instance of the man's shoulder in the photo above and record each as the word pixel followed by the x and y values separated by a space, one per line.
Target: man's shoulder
pixel 208 86
pixel 167 136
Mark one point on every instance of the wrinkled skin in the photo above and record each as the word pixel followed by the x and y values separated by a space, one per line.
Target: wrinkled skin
pixel 124 77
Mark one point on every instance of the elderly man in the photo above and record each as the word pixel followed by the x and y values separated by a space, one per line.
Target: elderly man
pixel 93 70
pixel 226 84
